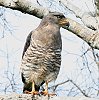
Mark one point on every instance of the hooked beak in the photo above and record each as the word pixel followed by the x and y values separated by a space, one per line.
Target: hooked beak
pixel 64 22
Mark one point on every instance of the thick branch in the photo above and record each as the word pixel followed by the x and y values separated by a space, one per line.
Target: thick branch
pixel 90 36
pixel 25 6
pixel 97 6
pixel 86 18
pixel 15 96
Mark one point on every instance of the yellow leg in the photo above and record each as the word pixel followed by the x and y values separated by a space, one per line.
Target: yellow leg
pixel 46 88
pixel 45 92
pixel 33 90
pixel 33 86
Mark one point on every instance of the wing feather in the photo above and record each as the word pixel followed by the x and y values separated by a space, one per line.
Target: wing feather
pixel 27 44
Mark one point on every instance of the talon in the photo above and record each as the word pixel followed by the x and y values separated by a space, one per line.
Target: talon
pixel 53 94
pixel 26 92
pixel 32 92
pixel 44 93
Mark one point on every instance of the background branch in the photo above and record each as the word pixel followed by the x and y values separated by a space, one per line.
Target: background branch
pixel 90 36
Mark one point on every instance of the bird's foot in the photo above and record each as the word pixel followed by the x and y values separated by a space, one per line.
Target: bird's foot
pixel 32 92
pixel 52 94
pixel 46 93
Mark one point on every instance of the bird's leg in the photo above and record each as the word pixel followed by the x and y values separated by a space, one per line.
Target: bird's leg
pixel 33 90
pixel 46 88
pixel 33 86
pixel 45 92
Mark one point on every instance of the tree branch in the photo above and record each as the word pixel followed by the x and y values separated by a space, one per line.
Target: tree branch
pixel 55 86
pixel 97 6
pixel 79 88
pixel 15 96
pixel 88 35
pixel 86 18
pixel 25 6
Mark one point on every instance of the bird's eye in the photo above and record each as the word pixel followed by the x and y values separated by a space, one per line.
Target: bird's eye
pixel 58 16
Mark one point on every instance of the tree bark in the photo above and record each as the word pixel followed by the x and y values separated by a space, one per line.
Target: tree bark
pixel 25 6
pixel 97 6
pixel 88 35
pixel 15 96
pixel 86 18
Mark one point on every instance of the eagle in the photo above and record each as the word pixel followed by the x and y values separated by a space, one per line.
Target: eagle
pixel 41 58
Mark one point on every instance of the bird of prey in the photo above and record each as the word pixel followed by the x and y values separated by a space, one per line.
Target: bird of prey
pixel 41 59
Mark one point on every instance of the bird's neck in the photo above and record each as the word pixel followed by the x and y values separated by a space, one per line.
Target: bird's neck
pixel 46 35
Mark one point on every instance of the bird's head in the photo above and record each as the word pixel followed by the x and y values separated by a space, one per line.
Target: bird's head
pixel 57 18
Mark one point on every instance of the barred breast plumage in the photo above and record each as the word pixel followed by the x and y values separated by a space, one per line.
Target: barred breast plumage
pixel 41 59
